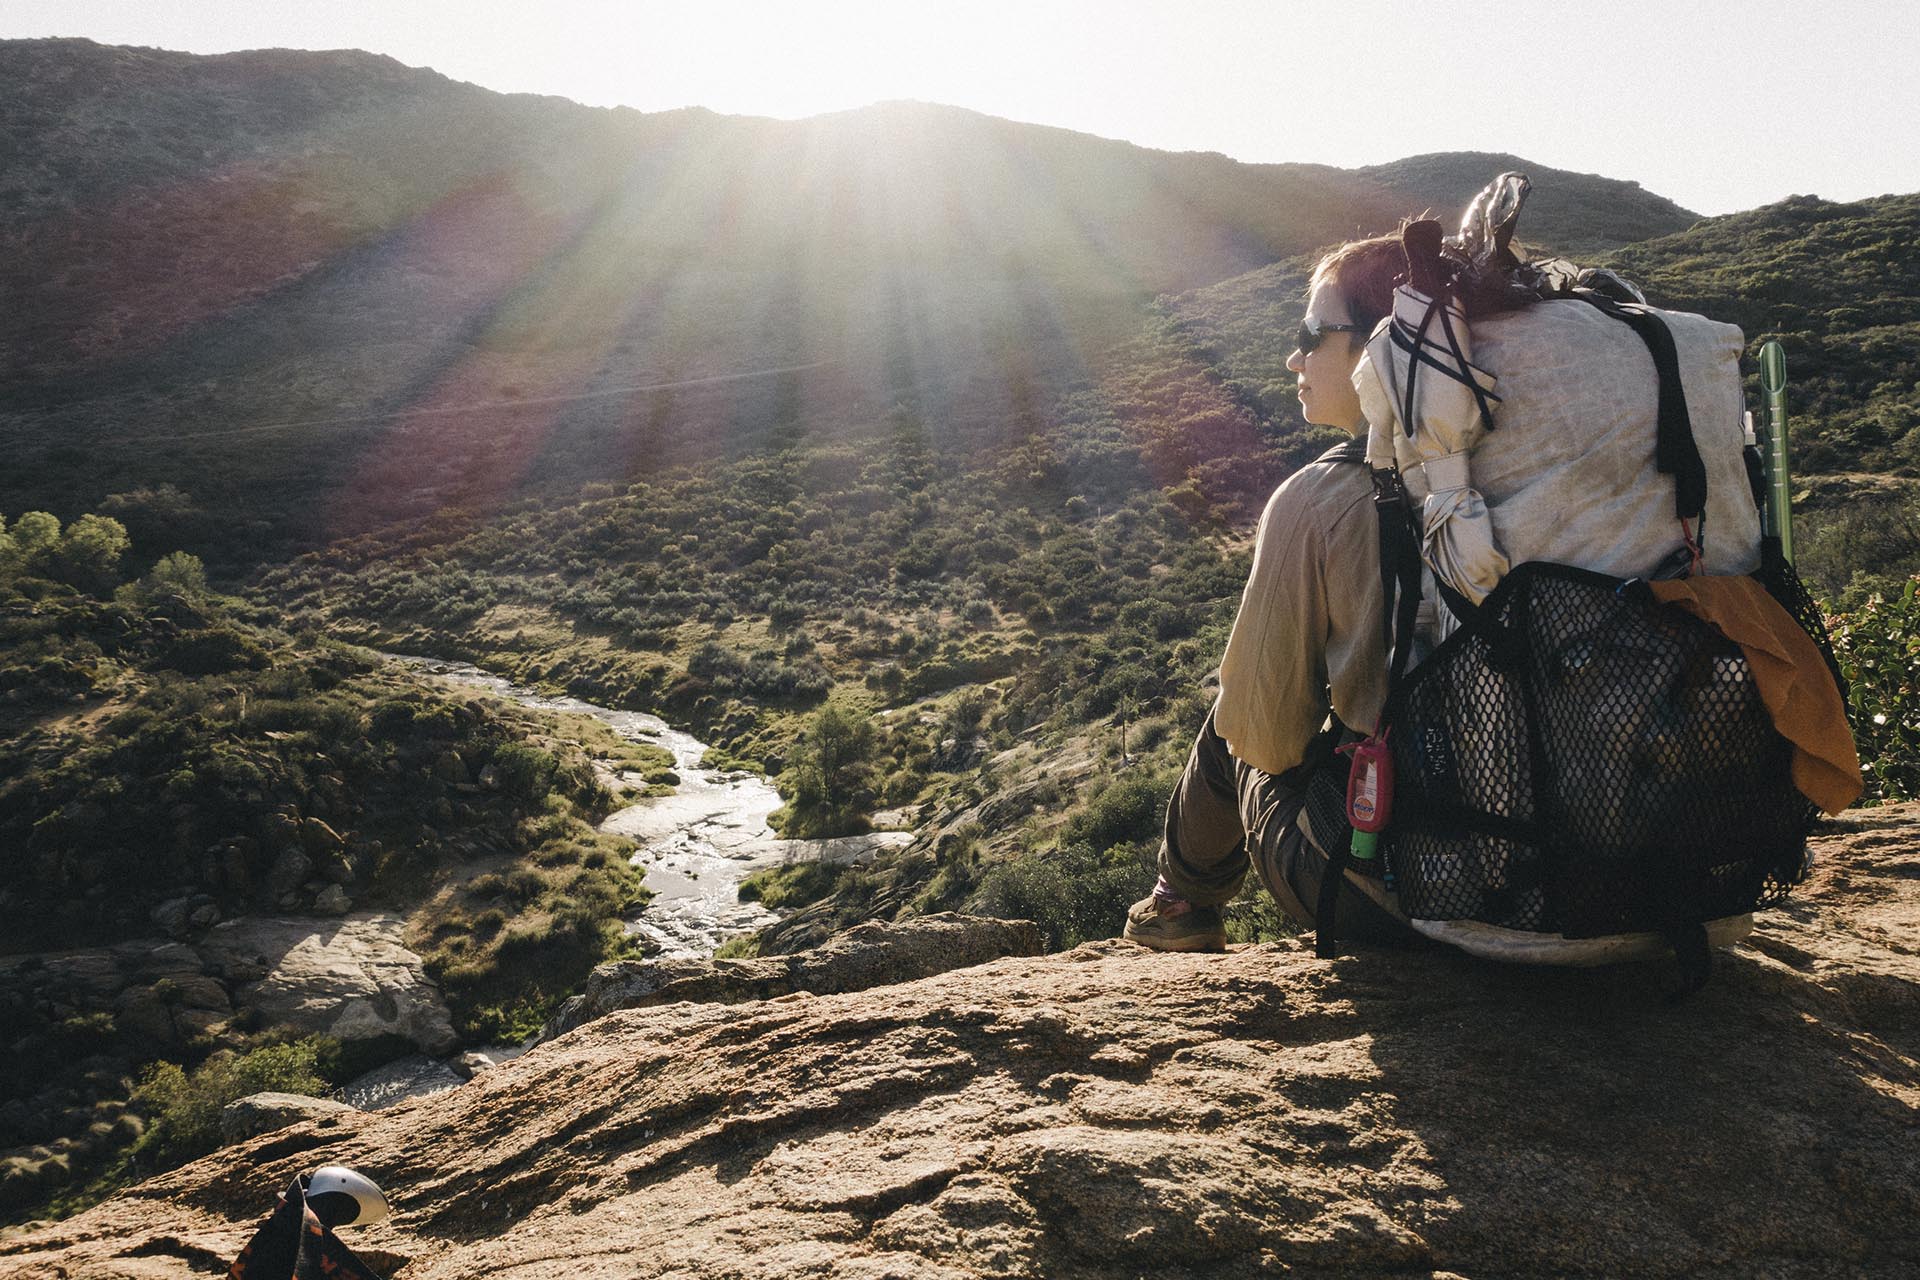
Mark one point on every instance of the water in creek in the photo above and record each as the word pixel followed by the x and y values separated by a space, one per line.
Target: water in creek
pixel 697 844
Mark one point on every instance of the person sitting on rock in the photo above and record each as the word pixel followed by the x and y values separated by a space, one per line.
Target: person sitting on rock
pixel 1306 657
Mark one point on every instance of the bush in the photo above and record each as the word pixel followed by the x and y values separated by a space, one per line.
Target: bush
pixel 794 885
pixel 89 552
pixel 214 651
pixel 526 773
pixel 831 780
pixel 184 1108
pixel 1128 811
pixel 177 573
pixel 1072 892
pixel 1878 646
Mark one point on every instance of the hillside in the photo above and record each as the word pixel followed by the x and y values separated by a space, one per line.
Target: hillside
pixel 1839 285
pixel 319 292
pixel 1113 1112
pixel 1578 214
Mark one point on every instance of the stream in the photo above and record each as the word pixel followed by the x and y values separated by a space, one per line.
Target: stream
pixel 695 845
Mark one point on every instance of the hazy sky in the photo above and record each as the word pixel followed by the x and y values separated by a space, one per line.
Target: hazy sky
pixel 1718 104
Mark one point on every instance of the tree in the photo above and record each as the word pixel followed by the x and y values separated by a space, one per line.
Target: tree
pixel 89 552
pixel 34 536
pixel 177 573
pixel 832 772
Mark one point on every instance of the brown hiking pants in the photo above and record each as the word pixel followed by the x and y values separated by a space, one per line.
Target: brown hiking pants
pixel 1225 813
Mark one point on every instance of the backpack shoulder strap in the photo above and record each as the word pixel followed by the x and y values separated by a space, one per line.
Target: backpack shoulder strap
pixel 1400 596
pixel 1675 451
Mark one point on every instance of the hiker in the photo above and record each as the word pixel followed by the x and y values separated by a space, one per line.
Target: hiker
pixel 1307 645
pixel 1622 754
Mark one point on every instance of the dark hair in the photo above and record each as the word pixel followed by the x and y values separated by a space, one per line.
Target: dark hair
pixel 1364 272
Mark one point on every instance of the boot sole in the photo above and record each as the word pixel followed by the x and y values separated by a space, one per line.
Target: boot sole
pixel 1193 942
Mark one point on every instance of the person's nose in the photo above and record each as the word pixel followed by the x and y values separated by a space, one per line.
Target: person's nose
pixel 1297 362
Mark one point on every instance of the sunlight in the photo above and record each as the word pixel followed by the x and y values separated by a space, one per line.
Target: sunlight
pixel 790 60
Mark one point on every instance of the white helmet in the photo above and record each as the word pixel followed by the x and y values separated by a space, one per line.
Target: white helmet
pixel 340 1197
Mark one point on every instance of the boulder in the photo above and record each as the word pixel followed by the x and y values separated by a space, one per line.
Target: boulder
pixel 170 917
pixel 265 1112
pixel 867 955
pixel 332 901
pixel 289 869
pixel 474 1061
pixel 319 839
pixel 171 1010
pixel 415 1076
pixel 351 978
pixel 1116 1112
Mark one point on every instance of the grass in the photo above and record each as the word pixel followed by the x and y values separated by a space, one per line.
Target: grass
pixel 789 887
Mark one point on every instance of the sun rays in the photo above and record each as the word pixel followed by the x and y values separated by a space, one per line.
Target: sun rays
pixel 422 309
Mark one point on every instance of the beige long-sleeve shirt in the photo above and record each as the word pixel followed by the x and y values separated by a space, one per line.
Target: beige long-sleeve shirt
pixel 1309 634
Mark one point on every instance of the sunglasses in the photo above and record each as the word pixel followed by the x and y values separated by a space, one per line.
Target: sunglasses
pixel 1312 332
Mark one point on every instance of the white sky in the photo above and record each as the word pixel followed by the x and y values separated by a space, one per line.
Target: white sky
pixel 1718 104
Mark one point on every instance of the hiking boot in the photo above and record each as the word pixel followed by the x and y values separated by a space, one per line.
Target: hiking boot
pixel 1197 928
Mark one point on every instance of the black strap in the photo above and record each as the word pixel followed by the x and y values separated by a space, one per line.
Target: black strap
pixel 1675 452
pixel 1326 941
pixel 1399 571
pixel 1458 368
pixel 1400 604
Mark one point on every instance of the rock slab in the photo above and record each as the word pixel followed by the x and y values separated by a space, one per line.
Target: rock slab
pixel 350 978
pixel 415 1076
pixel 1113 1112
pixel 260 1113
pixel 866 956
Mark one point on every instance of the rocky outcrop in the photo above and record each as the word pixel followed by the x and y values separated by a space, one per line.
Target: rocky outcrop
pixel 865 956
pixel 1109 1111
pixel 260 1113
pixel 414 1076
pixel 350 978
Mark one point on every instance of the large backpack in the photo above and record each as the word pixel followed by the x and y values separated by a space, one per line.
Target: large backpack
pixel 1580 771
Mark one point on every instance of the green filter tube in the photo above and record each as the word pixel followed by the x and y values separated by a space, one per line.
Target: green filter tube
pixel 1773 380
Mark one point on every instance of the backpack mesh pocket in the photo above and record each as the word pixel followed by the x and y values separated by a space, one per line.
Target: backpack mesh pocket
pixel 1580 759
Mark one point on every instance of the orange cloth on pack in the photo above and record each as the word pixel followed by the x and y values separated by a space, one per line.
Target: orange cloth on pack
pixel 1791 676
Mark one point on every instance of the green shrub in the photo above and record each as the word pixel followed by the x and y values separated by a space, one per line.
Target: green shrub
pixel 1129 810
pixel 526 772
pixel 1878 646
pixel 214 651
pixel 176 573
pixel 831 779
pixel 742 946
pixel 795 885
pixel 1074 893
pixel 183 1108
